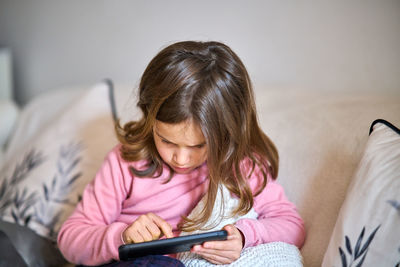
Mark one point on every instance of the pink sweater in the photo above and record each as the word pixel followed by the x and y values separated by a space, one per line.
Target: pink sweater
pixel 115 198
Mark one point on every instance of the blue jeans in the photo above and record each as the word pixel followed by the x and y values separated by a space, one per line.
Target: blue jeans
pixel 147 261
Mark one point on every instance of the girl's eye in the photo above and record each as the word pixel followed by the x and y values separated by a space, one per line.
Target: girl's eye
pixel 169 143
pixel 166 142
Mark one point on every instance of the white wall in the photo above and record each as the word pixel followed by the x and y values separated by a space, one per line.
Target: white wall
pixel 325 45
pixel 5 74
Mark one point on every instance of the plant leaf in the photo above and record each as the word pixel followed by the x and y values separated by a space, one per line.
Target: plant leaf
pixel 362 259
pixel 60 168
pixel 348 245
pixel 74 178
pixel 15 217
pixel 358 244
pixel 31 199
pixel 46 192
pixel 394 203
pixel 5 205
pixel 16 199
pixel 343 257
pixel 370 238
pixel 72 166
pixel 3 188
pixel 23 195
pixel 27 219
pixel 53 183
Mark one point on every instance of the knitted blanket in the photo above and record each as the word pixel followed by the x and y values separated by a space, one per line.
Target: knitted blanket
pixel 269 254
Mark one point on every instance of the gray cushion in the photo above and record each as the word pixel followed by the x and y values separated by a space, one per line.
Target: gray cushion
pixel 32 248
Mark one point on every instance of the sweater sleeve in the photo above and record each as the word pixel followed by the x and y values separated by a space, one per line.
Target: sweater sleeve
pixel 278 219
pixel 91 235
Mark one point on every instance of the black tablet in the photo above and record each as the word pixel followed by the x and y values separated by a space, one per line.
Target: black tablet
pixel 168 245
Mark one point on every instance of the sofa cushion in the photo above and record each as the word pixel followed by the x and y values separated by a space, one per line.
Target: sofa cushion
pixel 20 246
pixel 367 229
pixel 42 181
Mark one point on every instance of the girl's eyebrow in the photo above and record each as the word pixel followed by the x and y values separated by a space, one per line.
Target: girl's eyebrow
pixel 162 137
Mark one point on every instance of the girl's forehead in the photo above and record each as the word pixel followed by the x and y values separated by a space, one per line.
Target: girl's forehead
pixel 187 133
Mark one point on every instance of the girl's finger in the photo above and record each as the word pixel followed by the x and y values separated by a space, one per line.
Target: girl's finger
pixel 233 232
pixel 151 227
pixel 136 237
pixel 220 245
pixel 216 258
pixel 232 244
pixel 154 231
pixel 231 254
pixel 146 234
pixel 142 226
pixel 147 227
pixel 162 224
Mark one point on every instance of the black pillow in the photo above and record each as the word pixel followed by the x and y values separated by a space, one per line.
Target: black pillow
pixel 19 244
pixel 9 256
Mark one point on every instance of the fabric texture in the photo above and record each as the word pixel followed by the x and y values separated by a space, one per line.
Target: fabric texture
pixel 42 181
pixel 114 199
pixel 269 254
pixel 367 231
pixel 275 254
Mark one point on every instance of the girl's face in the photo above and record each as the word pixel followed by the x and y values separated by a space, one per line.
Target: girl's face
pixel 182 146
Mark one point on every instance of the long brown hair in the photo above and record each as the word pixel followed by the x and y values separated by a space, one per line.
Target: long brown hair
pixel 207 83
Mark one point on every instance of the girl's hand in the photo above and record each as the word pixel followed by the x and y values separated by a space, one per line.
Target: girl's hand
pixel 147 227
pixel 222 252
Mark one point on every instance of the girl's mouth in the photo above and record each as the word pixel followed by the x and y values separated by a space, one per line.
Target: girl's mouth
pixel 181 170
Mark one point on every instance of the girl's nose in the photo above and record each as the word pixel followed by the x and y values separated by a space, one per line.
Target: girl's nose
pixel 181 157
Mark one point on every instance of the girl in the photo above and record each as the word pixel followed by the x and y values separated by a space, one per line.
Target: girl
pixel 199 131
